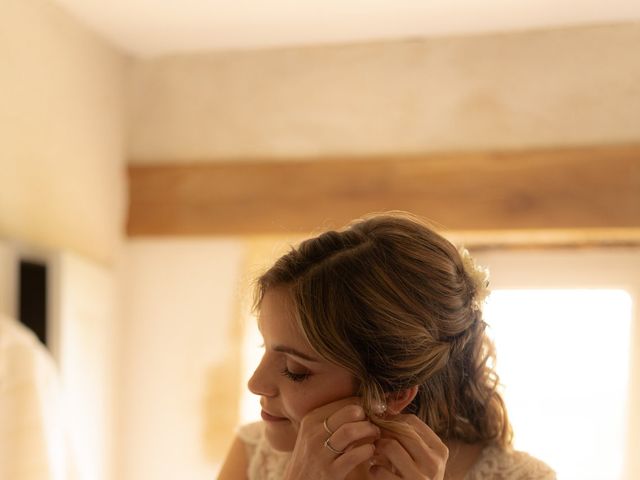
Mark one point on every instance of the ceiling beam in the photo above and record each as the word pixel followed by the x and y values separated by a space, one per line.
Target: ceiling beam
pixel 588 190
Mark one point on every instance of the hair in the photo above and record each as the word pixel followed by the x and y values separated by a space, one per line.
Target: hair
pixel 389 299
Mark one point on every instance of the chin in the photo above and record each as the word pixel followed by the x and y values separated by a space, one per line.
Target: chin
pixel 281 439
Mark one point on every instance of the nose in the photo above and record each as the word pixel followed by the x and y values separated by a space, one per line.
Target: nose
pixel 261 382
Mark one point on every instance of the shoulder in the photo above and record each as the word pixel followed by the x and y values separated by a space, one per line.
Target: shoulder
pixel 506 464
pixel 236 462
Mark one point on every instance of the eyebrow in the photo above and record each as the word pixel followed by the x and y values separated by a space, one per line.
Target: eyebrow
pixel 293 351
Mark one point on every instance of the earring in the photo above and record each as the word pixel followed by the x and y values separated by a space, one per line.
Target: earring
pixel 380 408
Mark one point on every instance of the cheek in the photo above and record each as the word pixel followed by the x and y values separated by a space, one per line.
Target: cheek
pixel 303 399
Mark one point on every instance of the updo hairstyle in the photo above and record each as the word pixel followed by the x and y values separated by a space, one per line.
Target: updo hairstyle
pixel 390 300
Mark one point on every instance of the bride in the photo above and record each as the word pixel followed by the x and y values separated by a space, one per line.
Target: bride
pixel 376 364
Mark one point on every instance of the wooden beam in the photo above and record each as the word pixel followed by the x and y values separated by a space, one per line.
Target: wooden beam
pixel 575 190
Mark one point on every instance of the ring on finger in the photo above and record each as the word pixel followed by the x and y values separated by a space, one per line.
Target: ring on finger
pixel 328 446
pixel 326 426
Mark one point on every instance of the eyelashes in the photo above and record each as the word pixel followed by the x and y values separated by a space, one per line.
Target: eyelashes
pixel 295 377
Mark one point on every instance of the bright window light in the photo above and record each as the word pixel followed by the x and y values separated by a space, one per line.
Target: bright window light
pixel 563 358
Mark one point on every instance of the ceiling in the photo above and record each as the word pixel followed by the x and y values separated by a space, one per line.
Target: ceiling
pixel 157 27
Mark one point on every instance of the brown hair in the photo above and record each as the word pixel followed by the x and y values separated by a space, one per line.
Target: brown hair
pixel 388 299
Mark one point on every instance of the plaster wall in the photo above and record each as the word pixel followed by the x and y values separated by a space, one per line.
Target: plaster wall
pixel 61 132
pixel 552 88
pixel 181 386
pixel 62 195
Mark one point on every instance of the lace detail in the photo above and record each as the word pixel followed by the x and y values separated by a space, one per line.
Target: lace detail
pixel 265 463
pixel 494 463
pixel 498 464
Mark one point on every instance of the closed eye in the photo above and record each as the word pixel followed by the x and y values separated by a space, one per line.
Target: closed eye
pixel 295 377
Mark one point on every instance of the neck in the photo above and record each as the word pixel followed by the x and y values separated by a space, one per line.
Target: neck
pixel 462 458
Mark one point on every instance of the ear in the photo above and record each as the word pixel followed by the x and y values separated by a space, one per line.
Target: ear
pixel 397 401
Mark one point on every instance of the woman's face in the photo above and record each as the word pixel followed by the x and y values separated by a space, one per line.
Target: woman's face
pixel 291 378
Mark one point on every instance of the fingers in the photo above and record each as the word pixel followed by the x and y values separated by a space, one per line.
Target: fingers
pixel 343 424
pixel 327 410
pixel 400 459
pixel 351 433
pixel 381 473
pixel 353 457
pixel 429 453
pixel 416 455
pixel 346 425
pixel 347 414
pixel 429 437
pixel 332 441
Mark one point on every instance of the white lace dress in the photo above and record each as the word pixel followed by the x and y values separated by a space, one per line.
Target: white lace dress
pixel 494 463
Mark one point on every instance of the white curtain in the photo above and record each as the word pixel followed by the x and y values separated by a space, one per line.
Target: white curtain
pixel 33 430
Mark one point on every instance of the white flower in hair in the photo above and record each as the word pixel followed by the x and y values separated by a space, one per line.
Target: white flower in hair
pixel 479 276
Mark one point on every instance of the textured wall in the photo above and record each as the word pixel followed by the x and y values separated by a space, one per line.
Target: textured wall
pixel 62 187
pixel 61 132
pixel 182 380
pixel 577 86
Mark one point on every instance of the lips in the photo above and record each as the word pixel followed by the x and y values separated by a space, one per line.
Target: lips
pixel 267 417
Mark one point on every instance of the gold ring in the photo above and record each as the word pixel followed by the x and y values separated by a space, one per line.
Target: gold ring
pixel 326 427
pixel 327 445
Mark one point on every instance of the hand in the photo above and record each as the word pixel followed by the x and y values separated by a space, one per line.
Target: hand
pixel 420 457
pixel 352 439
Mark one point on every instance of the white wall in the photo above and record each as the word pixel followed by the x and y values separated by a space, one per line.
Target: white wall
pixel 62 191
pixel 84 343
pixel 62 132
pixel 182 304
pixel 552 88
pixel 7 280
